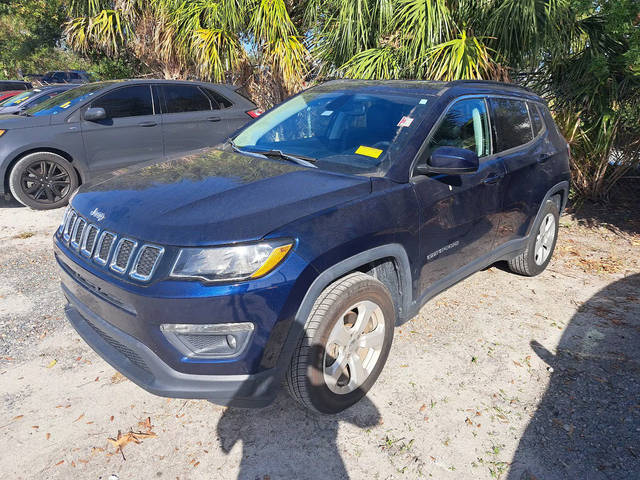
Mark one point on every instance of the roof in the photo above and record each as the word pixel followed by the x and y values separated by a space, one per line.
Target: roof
pixel 437 87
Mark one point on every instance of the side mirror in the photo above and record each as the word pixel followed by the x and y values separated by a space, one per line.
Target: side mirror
pixel 450 161
pixel 94 114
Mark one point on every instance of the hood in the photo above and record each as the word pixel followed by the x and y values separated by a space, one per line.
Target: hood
pixel 5 110
pixel 212 197
pixel 9 121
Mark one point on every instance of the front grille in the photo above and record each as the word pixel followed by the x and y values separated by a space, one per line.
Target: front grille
pixel 122 256
pixel 108 249
pixel 78 230
pixel 68 227
pixel 129 354
pixel 146 262
pixel 105 244
pixel 89 241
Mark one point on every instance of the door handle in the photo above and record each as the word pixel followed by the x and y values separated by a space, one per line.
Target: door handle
pixel 543 157
pixel 148 124
pixel 214 119
pixel 492 179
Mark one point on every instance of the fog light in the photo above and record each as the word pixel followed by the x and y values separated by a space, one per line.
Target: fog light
pixel 221 340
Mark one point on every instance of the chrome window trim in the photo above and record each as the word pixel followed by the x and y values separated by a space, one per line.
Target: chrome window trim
pixel 486 97
pixel 72 243
pixel 114 257
pixel 96 254
pixel 134 271
pixel 85 237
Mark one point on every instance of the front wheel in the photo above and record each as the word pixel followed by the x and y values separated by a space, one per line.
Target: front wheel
pixel 541 243
pixel 345 345
pixel 43 180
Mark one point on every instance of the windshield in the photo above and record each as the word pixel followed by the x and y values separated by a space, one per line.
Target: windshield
pixel 65 100
pixel 18 99
pixel 347 130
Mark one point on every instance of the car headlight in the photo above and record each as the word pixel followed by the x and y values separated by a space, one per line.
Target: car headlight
pixel 236 262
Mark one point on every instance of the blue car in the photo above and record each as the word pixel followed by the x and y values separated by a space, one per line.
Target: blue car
pixel 289 255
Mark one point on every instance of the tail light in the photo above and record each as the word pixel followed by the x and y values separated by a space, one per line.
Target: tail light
pixel 255 113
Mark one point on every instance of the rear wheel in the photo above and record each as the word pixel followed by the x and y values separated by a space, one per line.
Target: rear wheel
pixel 345 345
pixel 541 243
pixel 43 180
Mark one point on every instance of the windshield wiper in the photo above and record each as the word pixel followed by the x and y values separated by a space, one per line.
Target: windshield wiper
pixel 298 159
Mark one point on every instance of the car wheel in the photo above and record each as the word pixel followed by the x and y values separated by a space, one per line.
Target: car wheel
pixel 345 344
pixel 540 245
pixel 43 180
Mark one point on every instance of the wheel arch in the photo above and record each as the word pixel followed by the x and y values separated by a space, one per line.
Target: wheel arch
pixel 560 189
pixel 382 262
pixel 23 154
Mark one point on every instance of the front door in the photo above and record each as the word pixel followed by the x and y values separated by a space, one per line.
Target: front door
pixel 130 134
pixel 460 214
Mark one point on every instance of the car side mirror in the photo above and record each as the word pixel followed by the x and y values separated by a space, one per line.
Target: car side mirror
pixel 94 114
pixel 450 161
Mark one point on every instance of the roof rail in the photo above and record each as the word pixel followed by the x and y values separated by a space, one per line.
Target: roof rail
pixel 494 83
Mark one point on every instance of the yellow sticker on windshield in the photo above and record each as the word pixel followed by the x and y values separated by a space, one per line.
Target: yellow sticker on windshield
pixel 65 104
pixel 368 151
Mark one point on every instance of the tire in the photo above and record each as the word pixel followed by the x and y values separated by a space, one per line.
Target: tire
pixel 43 180
pixel 539 250
pixel 319 351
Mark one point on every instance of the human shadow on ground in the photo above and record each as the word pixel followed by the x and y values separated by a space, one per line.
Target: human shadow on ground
pixel 587 425
pixel 285 441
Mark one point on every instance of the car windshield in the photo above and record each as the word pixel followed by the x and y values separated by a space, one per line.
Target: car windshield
pixel 18 99
pixel 65 100
pixel 347 130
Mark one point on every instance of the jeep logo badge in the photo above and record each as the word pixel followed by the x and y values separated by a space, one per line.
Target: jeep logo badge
pixel 97 214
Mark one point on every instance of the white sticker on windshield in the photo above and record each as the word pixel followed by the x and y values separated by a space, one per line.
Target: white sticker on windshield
pixel 423 101
pixel 326 113
pixel 405 122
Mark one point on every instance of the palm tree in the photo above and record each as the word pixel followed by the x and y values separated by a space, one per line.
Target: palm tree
pixel 204 38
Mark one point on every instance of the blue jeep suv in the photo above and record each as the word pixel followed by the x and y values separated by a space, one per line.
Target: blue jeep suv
pixel 289 254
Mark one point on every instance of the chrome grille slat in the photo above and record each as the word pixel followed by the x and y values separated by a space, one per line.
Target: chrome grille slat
pixel 68 228
pixel 89 240
pixel 104 247
pixel 146 261
pixel 78 229
pixel 122 255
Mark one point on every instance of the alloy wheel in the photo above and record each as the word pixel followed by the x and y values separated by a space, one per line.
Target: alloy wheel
pixel 45 181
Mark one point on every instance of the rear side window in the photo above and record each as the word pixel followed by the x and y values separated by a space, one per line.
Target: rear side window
pixel 184 98
pixel 512 124
pixel 465 125
pixel 131 101
pixel 217 100
pixel 536 119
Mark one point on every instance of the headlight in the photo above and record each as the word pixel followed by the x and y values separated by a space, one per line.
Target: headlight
pixel 238 262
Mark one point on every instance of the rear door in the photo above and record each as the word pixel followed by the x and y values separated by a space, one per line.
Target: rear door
pixel 191 118
pixel 130 134
pixel 459 214
pixel 521 142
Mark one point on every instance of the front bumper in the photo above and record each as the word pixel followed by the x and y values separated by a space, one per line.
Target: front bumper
pixel 137 362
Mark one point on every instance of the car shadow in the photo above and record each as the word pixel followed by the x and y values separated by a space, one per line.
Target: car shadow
pixel 10 203
pixel 270 435
pixel 587 425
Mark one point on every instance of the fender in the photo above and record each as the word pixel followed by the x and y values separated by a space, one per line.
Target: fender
pixel 561 187
pixel 394 250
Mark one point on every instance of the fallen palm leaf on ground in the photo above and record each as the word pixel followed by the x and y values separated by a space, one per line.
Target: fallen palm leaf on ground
pixel 136 437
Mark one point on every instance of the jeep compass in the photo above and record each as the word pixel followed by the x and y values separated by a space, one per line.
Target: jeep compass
pixel 289 254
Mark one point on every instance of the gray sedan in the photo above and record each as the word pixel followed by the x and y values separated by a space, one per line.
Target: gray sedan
pixel 48 150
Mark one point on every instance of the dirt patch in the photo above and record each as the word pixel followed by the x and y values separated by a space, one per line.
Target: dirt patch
pixel 499 377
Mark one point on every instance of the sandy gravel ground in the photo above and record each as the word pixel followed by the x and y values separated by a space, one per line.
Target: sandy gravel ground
pixel 499 377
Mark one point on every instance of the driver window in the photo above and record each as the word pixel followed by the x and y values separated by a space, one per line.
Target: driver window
pixel 465 125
